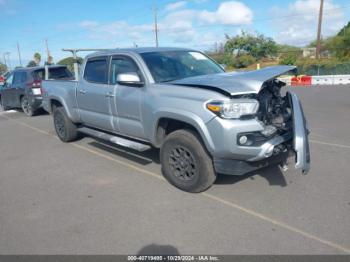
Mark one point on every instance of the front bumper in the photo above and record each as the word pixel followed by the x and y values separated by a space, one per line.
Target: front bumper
pixel 240 167
pixel 231 158
pixel 300 138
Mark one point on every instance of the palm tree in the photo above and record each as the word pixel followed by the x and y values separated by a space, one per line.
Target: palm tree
pixel 37 58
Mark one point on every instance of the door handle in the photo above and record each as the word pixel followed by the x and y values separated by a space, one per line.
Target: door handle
pixel 82 91
pixel 109 95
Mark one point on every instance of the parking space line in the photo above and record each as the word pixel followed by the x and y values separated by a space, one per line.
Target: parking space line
pixel 278 223
pixel 207 195
pixel 329 144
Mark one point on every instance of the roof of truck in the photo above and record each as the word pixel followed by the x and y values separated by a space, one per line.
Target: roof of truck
pixel 37 68
pixel 139 50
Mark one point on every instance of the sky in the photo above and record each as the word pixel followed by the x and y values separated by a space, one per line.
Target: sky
pixel 197 24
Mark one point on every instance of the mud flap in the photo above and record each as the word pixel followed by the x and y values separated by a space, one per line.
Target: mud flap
pixel 300 135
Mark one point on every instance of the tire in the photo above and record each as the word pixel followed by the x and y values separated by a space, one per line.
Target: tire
pixel 27 107
pixel 65 129
pixel 2 108
pixel 186 163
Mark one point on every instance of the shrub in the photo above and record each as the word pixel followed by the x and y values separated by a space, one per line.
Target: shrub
pixel 243 61
pixel 288 59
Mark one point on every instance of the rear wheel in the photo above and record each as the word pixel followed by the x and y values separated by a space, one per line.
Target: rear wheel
pixel 186 163
pixel 66 130
pixel 26 106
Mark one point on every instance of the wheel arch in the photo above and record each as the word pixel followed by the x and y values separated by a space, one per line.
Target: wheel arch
pixel 169 122
pixel 56 101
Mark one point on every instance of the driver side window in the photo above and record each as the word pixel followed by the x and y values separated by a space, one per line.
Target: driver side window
pixel 122 65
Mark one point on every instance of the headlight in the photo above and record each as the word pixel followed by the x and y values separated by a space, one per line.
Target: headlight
pixel 234 108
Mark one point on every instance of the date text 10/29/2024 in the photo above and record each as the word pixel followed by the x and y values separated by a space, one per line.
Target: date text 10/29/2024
pixel 172 258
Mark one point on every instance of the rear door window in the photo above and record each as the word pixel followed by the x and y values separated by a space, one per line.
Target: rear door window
pixel 19 78
pixel 16 78
pixel 54 73
pixel 96 70
pixel 23 77
pixel 60 73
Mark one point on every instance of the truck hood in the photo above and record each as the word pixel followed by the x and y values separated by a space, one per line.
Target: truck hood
pixel 235 83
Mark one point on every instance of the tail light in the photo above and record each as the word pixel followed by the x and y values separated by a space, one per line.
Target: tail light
pixel 36 87
pixel 36 84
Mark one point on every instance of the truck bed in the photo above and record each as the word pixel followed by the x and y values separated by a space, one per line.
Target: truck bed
pixel 56 89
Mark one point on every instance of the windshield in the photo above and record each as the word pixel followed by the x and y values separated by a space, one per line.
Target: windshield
pixel 174 65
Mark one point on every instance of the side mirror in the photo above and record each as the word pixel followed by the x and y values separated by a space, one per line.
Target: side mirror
pixel 129 79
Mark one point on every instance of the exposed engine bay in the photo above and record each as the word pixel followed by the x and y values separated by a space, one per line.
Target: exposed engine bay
pixel 274 109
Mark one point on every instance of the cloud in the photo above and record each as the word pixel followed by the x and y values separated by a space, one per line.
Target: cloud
pixel 88 24
pixel 228 13
pixel 175 5
pixel 179 26
pixel 7 8
pixel 298 23
pixel 120 32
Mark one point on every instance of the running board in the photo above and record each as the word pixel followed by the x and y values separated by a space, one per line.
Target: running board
pixel 114 139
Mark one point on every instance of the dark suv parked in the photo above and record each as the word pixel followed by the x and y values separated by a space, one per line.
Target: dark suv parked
pixel 22 88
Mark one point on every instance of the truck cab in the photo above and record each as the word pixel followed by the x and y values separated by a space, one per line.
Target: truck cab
pixel 203 120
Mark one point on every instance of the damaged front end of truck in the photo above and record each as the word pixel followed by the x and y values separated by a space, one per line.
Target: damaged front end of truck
pixel 267 137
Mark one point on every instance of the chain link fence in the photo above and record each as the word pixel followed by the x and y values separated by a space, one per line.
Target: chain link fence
pixel 319 70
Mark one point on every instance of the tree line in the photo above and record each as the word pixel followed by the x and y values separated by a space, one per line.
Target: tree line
pixel 247 49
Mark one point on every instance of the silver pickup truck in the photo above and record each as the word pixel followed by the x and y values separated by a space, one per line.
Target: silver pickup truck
pixel 205 121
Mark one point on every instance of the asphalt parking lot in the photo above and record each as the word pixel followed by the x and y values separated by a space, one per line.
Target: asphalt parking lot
pixel 88 197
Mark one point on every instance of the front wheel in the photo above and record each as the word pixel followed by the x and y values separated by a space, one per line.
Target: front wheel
pixel 66 130
pixel 186 163
pixel 26 106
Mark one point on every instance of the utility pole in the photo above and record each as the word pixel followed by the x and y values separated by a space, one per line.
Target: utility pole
pixel 319 29
pixel 19 55
pixel 4 54
pixel 47 51
pixel 8 64
pixel 155 10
